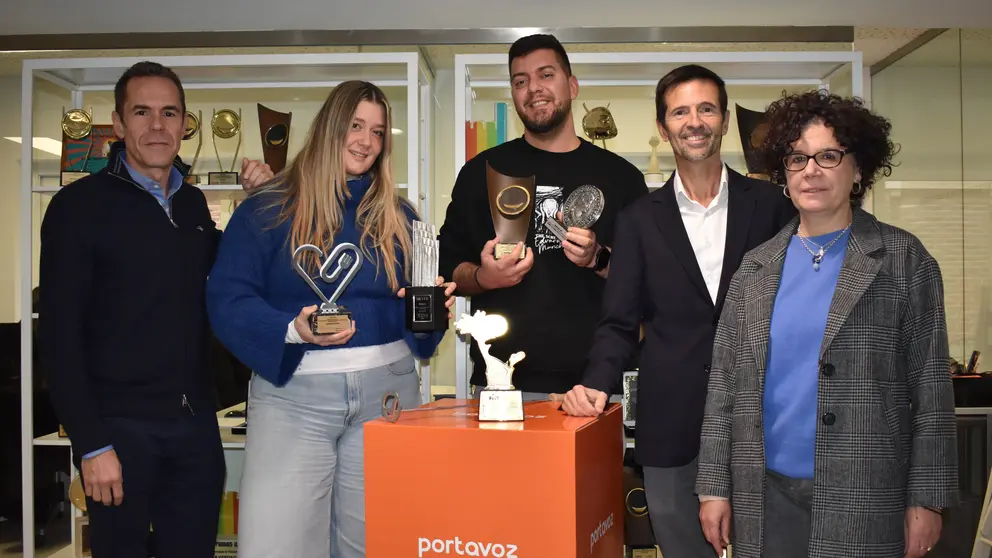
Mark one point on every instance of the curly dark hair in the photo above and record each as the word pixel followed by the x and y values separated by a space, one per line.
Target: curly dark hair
pixel 857 129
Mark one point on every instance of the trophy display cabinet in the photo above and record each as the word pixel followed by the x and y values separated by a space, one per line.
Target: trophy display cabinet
pixel 615 110
pixel 258 106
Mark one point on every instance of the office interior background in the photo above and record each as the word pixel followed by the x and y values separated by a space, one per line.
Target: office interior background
pixel 926 66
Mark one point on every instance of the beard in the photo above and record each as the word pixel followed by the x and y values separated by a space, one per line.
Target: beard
pixel 711 148
pixel 548 124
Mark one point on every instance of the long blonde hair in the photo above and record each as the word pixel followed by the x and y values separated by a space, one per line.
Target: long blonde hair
pixel 315 213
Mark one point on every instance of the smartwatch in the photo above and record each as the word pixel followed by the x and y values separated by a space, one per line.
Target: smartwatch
pixel 602 259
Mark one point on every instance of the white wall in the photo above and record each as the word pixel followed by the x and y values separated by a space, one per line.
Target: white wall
pixel 10 187
pixel 941 189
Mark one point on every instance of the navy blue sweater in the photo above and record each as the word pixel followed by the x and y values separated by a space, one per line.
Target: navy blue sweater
pixel 254 292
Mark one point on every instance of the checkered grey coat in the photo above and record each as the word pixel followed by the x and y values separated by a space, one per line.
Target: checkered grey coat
pixel 886 435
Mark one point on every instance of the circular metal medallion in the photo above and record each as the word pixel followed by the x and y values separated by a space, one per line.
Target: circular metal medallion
pixel 391 408
pixel 513 200
pixel 225 124
pixel 192 126
pixel 583 207
pixel 76 124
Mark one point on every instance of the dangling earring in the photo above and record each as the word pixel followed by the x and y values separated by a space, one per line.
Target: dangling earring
pixel 785 191
pixel 857 188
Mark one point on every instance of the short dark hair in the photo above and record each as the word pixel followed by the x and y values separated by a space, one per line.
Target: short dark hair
pixel 857 129
pixel 145 69
pixel 685 74
pixel 526 45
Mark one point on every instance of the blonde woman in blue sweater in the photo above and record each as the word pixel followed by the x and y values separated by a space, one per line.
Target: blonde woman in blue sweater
pixel 302 492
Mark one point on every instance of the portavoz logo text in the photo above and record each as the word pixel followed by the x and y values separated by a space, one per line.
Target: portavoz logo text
pixel 458 547
pixel 600 531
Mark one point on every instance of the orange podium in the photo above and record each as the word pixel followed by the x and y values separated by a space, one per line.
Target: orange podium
pixel 440 483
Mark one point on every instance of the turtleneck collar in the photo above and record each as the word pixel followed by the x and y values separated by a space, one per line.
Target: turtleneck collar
pixel 358 187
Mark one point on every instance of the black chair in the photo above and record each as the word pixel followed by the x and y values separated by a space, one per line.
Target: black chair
pixel 50 463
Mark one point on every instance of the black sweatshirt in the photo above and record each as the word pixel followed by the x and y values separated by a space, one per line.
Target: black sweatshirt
pixel 552 313
pixel 123 329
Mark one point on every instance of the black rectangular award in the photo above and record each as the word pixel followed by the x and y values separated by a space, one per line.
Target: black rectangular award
pixel 425 302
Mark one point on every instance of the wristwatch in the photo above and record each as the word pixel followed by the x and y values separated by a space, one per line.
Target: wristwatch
pixel 602 259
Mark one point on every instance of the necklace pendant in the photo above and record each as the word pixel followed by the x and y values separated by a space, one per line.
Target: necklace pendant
pixel 816 261
pixel 816 266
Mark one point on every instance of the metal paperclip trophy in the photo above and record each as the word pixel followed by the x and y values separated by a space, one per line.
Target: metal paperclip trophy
pixel 425 309
pixel 330 317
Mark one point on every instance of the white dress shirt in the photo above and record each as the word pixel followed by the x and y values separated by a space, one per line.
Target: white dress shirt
pixel 707 230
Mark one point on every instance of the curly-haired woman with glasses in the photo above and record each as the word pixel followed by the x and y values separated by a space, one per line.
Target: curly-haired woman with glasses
pixel 829 428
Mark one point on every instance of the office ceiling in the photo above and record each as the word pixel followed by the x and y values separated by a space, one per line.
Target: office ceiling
pixel 875 43
pixel 145 16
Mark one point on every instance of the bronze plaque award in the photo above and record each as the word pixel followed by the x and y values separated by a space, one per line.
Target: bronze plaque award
pixel 511 203
pixel 753 129
pixel 274 128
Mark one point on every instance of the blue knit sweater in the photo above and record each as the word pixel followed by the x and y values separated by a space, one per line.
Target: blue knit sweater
pixel 254 292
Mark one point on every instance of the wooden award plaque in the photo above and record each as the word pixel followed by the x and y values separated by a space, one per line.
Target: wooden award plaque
pixel 274 128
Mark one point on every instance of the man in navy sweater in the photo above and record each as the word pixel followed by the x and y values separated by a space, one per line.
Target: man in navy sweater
pixel 125 254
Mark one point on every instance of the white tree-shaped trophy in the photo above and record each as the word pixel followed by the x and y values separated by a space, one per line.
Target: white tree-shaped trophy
pixel 499 401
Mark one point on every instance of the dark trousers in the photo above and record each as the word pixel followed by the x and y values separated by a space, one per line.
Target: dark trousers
pixel 788 507
pixel 173 480
pixel 674 511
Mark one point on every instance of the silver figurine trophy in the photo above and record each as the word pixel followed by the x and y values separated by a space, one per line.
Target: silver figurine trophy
pixel 425 309
pixel 330 317
pixel 499 401
pixel 582 209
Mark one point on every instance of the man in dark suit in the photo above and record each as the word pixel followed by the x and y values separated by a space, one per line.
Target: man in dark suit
pixel 674 254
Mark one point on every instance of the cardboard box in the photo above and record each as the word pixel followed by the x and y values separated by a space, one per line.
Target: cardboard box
pixel 440 483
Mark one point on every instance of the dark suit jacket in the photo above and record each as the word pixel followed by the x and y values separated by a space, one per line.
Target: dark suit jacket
pixel 654 279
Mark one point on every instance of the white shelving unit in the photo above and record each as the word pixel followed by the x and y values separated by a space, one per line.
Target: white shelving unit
pixel 474 73
pixel 210 72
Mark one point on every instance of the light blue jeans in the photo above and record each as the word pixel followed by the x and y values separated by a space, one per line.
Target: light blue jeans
pixel 303 487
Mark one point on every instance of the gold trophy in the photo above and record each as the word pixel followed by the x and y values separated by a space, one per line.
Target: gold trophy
pixel 511 204
pixel 225 124
pixel 77 125
pixel 193 131
pixel 274 128
pixel 499 400
pixel 598 124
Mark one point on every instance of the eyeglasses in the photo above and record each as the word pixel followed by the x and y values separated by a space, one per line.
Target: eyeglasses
pixel 827 159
